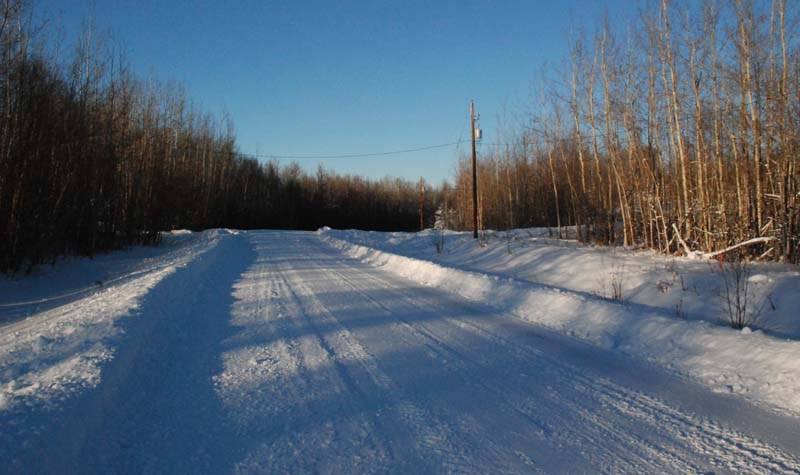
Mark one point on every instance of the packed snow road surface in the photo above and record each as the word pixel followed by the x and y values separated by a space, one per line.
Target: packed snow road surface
pixel 272 352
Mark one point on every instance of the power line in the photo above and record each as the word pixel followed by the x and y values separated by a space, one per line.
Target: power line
pixel 373 154
pixel 353 155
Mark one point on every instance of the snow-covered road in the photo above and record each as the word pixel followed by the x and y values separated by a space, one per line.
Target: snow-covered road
pixel 274 353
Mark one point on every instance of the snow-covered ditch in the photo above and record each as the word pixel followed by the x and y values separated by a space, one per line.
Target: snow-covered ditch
pixel 691 339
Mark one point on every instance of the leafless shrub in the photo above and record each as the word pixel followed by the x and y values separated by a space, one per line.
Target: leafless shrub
pixel 737 295
pixel 617 282
pixel 612 285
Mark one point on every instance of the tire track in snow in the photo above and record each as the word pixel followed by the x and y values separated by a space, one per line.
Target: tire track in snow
pixel 459 412
pixel 298 432
pixel 732 450
pixel 415 438
pixel 329 365
pixel 728 448
pixel 433 434
pixel 622 458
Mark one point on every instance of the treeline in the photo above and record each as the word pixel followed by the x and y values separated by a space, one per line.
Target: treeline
pixel 92 158
pixel 678 133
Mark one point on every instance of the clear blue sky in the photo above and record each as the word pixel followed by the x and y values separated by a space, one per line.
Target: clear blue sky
pixel 335 77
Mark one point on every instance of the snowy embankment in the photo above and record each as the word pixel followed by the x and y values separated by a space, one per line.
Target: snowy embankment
pixel 689 336
pixel 60 326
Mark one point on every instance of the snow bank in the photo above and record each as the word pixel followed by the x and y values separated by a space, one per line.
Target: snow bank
pixel 675 286
pixel 61 325
pixel 759 367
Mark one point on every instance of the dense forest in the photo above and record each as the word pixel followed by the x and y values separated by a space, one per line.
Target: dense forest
pixel 92 158
pixel 680 133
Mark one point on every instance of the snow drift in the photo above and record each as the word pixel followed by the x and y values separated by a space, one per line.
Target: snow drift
pixel 760 367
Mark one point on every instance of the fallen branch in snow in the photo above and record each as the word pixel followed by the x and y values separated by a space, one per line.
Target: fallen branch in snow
pixel 686 249
pixel 737 246
pixel 711 255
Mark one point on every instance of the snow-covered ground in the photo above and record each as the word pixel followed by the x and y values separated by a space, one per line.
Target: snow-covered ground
pixel 57 324
pixel 671 310
pixel 277 352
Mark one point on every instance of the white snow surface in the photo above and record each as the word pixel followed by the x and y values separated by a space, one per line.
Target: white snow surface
pixel 56 325
pixel 277 352
pixel 671 312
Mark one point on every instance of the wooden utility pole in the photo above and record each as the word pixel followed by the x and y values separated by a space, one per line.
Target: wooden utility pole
pixel 421 203
pixel 474 173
